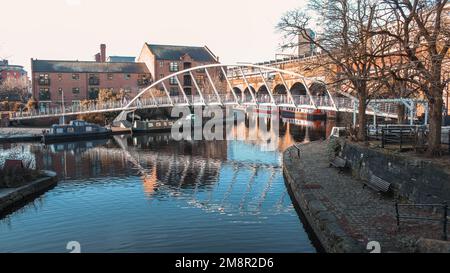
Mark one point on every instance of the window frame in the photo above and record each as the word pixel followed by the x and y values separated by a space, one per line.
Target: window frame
pixel 74 89
pixel 174 66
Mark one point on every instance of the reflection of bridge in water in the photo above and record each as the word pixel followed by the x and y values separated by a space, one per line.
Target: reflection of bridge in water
pixel 166 175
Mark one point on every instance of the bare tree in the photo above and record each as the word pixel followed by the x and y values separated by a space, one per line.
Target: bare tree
pixel 14 87
pixel 422 31
pixel 344 37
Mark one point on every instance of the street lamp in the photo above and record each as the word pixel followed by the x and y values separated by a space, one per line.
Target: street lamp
pixel 63 107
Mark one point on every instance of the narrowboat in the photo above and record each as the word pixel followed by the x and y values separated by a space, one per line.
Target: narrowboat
pixel 303 114
pixel 150 126
pixel 75 130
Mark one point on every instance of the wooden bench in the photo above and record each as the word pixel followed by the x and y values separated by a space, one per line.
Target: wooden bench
pixel 378 184
pixel 339 163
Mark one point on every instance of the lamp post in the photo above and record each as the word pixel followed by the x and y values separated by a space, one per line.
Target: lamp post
pixel 63 107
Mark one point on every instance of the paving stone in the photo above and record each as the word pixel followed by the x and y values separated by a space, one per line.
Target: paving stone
pixel 341 205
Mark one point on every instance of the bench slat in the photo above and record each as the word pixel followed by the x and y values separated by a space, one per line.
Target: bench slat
pixel 339 162
pixel 378 184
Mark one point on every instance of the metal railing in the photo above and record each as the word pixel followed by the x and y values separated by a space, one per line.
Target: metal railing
pixel 398 134
pixel 443 219
pixel 300 101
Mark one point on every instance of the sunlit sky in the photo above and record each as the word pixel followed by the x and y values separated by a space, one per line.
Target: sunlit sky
pixel 235 30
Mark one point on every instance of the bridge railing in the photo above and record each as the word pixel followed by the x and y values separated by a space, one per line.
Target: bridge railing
pixel 302 100
pixel 343 103
pixel 227 98
pixel 323 101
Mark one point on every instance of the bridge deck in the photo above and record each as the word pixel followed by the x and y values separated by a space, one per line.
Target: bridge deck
pixel 341 104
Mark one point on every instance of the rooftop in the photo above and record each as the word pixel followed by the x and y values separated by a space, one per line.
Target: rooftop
pixel 63 66
pixel 115 59
pixel 174 52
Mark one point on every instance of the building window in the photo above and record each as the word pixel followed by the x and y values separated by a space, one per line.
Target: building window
pixel 44 79
pixel 59 76
pixel 173 91
pixel 94 79
pixel 76 90
pixel 173 67
pixel 187 65
pixel 75 76
pixel 161 64
pixel 127 76
pixel 200 80
pixel 173 80
pixel 161 76
pixel 93 93
pixel 110 76
pixel 44 94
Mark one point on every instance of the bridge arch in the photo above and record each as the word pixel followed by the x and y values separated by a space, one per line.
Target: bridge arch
pixel 248 93
pixel 280 89
pixel 262 91
pixel 298 89
pixel 318 88
pixel 237 91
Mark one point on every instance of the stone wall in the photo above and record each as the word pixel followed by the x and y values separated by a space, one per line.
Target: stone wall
pixel 416 180
pixel 12 197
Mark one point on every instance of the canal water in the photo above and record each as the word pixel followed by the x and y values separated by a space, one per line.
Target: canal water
pixel 149 193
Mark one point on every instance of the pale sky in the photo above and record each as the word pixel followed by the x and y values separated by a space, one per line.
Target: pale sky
pixel 235 30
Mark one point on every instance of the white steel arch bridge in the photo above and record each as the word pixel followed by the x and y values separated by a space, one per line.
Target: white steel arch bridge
pixel 217 89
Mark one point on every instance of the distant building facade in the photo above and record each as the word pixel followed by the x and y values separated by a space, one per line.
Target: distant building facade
pixel 163 60
pixel 55 81
pixel 14 85
pixel 11 71
pixel 305 47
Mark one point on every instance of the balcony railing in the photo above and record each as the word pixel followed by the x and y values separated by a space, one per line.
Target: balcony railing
pixel 44 81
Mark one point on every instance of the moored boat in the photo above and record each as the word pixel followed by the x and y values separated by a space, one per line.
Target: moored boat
pixel 75 130
pixel 304 114
pixel 152 126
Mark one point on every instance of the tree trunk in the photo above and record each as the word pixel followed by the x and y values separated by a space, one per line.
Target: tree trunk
pixel 434 136
pixel 362 119
pixel 401 109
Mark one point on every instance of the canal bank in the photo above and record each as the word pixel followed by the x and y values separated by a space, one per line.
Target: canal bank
pixel 11 198
pixel 344 215
pixel 20 134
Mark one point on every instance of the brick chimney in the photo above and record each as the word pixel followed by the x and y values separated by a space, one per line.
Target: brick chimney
pixel 103 53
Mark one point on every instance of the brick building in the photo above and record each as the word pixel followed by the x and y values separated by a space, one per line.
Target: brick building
pixel 55 81
pixel 11 71
pixel 13 82
pixel 163 60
